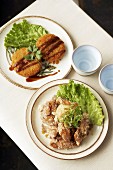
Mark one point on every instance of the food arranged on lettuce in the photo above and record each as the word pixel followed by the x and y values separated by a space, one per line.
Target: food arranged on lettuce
pixel 33 51
pixel 69 116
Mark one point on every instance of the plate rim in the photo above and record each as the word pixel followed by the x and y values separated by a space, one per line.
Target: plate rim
pixel 99 137
pixel 32 16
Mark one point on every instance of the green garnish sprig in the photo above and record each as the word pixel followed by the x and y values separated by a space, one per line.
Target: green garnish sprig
pixel 46 68
pixel 72 117
pixel 34 53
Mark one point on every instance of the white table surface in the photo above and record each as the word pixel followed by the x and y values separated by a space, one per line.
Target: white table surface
pixel 13 100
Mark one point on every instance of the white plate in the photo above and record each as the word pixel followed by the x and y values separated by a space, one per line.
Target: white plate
pixel 64 65
pixel 33 121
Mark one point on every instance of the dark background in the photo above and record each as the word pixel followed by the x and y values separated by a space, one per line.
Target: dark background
pixel 101 11
pixel 10 8
pixel 11 157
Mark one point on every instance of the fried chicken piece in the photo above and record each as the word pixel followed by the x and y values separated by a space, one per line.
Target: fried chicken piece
pixel 51 47
pixel 64 132
pixel 23 67
pixel 49 120
pixel 83 130
pixel 50 131
pixel 53 104
pixel 45 110
pixel 61 144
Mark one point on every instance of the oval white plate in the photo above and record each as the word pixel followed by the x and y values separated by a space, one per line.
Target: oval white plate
pixel 64 65
pixel 33 122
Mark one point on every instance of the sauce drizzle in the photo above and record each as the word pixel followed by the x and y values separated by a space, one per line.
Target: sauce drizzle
pixel 35 77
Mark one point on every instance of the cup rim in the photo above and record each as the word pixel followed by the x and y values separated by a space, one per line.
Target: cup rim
pixel 93 70
pixel 100 77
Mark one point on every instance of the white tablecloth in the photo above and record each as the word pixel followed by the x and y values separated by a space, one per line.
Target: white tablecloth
pixel 13 100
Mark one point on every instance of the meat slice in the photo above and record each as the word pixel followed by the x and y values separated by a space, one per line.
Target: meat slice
pixel 83 130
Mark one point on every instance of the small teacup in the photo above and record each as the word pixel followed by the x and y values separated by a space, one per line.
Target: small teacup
pixel 106 78
pixel 86 59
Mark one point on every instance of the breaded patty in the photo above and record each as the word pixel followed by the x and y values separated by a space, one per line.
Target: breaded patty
pixel 51 47
pixel 23 67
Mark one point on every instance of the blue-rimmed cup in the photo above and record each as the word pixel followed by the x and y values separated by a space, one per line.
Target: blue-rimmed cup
pixel 86 59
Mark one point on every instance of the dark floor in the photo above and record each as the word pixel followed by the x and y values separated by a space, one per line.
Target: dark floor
pixel 101 11
pixel 11 157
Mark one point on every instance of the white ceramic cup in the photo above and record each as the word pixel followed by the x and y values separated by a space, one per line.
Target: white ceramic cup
pixel 86 59
pixel 106 78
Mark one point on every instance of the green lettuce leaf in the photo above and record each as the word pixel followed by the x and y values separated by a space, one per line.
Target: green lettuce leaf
pixel 85 98
pixel 24 34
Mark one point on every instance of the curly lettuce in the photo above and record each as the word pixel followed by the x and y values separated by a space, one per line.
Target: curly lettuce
pixel 23 34
pixel 85 98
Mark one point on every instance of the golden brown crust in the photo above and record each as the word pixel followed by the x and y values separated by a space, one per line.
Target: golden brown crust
pixel 31 69
pixel 52 48
pixel 24 67
pixel 18 55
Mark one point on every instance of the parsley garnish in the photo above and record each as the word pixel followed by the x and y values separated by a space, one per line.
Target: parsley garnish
pixel 34 53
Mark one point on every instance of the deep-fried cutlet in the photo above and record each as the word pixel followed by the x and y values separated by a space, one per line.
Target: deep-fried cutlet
pixel 23 67
pixel 51 47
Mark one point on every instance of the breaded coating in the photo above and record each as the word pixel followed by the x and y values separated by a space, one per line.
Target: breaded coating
pixel 23 67
pixel 51 47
